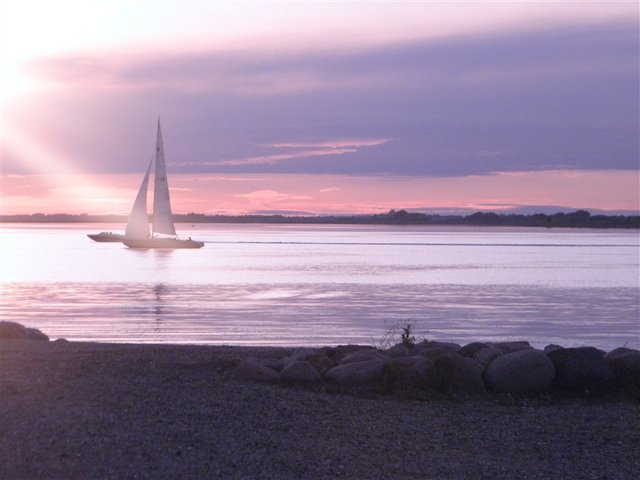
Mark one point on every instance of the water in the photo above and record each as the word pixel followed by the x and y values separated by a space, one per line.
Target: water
pixel 326 285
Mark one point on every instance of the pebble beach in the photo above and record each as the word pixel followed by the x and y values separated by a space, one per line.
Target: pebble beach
pixel 83 410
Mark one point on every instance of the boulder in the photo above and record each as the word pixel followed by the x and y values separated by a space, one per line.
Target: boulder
pixel 433 344
pixel 300 371
pixel 510 347
pixel 364 355
pixel 432 353
pixel 455 372
pixel 526 371
pixel 254 371
pixel 485 356
pixel 356 373
pixel 274 363
pixel 582 368
pixel 470 349
pixel 625 363
pixel 303 353
pixel 16 331
pixel 321 363
pixel 551 347
pixel 411 371
pixel 398 350
pixel 227 361
pixel 338 353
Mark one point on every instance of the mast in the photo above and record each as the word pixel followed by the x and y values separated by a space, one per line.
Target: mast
pixel 138 222
pixel 162 217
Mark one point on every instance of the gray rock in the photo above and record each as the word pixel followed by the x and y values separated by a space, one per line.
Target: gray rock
pixel 582 368
pixel 625 363
pixel 251 370
pixel 525 371
pixel 321 363
pixel 411 371
pixel 485 356
pixel 228 361
pixel 432 353
pixel 300 371
pixel 338 353
pixel 551 347
pixel 455 372
pixel 35 334
pixel 411 361
pixel 356 373
pixel 398 350
pixel 16 331
pixel 510 347
pixel 446 345
pixel 364 355
pixel 276 364
pixel 303 353
pixel 470 349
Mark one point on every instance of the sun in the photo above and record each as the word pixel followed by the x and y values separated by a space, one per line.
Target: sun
pixel 34 29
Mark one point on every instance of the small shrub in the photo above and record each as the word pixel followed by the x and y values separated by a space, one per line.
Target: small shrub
pixel 406 337
pixel 399 333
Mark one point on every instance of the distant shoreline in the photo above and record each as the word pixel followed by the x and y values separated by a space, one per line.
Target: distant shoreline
pixel 577 219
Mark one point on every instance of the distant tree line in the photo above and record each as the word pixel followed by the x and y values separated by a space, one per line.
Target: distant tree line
pixel 577 219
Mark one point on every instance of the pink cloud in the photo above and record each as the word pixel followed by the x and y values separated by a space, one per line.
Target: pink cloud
pixel 335 144
pixel 271 196
pixel 271 159
pixel 320 149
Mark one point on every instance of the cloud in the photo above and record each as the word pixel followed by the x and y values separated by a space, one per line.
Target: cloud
pixel 276 158
pixel 222 178
pixel 336 144
pixel 564 96
pixel 332 148
pixel 471 60
pixel 271 196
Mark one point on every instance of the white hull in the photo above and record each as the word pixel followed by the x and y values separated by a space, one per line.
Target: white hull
pixel 157 242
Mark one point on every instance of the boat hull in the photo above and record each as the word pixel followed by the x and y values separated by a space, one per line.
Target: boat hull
pixel 106 237
pixel 168 243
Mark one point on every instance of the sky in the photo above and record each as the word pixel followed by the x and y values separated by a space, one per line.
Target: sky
pixel 321 107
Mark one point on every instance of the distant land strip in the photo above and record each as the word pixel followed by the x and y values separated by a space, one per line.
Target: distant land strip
pixel 577 219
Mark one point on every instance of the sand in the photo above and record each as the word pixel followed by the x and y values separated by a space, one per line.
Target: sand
pixel 79 410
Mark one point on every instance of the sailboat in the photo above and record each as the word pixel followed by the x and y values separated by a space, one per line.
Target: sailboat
pixel 163 232
pixel 106 237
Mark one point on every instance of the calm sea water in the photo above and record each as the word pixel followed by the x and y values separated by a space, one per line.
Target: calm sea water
pixel 325 285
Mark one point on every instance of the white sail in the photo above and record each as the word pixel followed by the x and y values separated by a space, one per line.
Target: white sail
pixel 162 217
pixel 138 222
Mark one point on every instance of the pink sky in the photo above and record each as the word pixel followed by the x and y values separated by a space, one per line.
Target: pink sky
pixel 324 194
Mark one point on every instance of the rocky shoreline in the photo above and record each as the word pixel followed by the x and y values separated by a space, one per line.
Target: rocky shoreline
pixel 428 410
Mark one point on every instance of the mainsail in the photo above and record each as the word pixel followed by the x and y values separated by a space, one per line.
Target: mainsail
pixel 138 223
pixel 162 217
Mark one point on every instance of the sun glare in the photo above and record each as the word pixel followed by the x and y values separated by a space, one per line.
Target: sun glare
pixel 32 29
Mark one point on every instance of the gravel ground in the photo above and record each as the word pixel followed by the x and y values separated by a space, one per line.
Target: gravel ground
pixel 77 410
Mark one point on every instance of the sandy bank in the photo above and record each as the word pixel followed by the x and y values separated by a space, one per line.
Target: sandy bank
pixel 74 410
